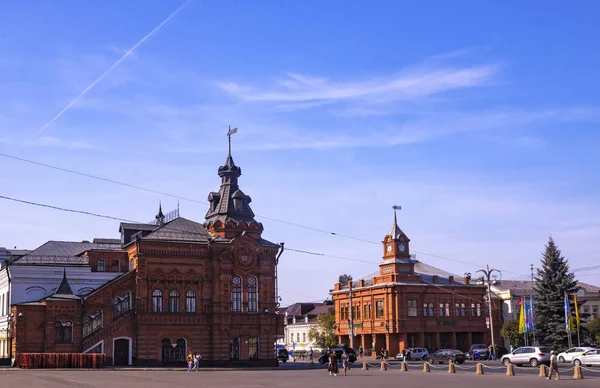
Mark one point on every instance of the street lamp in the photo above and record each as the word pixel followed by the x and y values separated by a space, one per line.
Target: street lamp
pixel 492 276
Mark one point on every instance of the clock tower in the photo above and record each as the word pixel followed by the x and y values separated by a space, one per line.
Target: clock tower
pixel 396 243
pixel 396 252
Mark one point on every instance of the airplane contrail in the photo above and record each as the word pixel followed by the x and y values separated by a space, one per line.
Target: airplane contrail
pixel 112 67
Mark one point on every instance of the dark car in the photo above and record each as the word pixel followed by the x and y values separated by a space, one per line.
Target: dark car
pixel 478 352
pixel 324 359
pixel 447 355
pixel 282 355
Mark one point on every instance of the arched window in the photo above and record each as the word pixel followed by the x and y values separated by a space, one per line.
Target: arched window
pixel 190 302
pixel 117 307
pixel 63 331
pixel 126 301
pixel 59 333
pixel 174 301
pixel 157 301
pixel 252 294
pixel 236 294
pixel 91 323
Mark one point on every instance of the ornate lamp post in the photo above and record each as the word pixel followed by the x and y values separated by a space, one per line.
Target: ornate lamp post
pixel 490 276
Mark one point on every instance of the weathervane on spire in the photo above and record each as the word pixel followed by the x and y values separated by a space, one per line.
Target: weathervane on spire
pixel 396 207
pixel 229 133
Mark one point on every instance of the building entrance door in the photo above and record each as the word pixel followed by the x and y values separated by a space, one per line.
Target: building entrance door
pixel 234 349
pixel 121 352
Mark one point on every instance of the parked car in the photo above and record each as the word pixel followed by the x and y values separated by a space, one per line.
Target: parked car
pixel 282 355
pixel 589 358
pixel 447 355
pixel 567 356
pixel 414 354
pixel 532 355
pixel 324 359
pixel 478 352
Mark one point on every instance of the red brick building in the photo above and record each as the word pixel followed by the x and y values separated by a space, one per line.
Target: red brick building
pixel 187 287
pixel 408 303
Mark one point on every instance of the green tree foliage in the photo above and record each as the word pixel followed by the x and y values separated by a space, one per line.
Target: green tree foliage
pixel 551 283
pixel 344 279
pixel 594 329
pixel 321 334
pixel 510 332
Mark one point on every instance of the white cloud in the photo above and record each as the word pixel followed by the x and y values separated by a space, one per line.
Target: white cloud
pixel 406 85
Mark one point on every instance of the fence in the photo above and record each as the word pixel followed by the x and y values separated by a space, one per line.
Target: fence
pixel 60 360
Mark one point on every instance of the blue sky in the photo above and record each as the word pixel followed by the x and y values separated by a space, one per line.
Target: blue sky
pixel 480 119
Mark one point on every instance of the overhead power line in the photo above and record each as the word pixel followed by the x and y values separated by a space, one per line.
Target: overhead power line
pixel 290 249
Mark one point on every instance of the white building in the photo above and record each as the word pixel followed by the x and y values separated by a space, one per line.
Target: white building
pixel 28 276
pixel 511 291
pixel 299 319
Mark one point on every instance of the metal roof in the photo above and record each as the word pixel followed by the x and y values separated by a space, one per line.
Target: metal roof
pixel 180 229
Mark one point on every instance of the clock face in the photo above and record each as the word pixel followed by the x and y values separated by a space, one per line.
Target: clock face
pixel 389 248
pixel 402 247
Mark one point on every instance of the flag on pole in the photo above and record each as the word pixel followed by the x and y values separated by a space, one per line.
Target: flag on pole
pixel 522 316
pixel 577 319
pixel 532 322
pixel 568 319
pixel 526 314
pixel 232 131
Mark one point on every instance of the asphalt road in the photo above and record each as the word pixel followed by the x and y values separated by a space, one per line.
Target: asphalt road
pixel 288 376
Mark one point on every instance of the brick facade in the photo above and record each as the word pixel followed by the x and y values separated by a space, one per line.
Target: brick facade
pixel 188 287
pixel 408 303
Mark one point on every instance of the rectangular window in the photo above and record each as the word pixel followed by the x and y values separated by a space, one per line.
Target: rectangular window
pixel 478 309
pixel 441 309
pixel 367 311
pixel 473 311
pixel 431 309
pixel 253 348
pixel 412 307
pixel 100 265
pixel 344 314
pixel 130 264
pixel 303 337
pixel 457 312
pixel 298 337
pixel 379 309
pixel 425 305
pixel 116 266
pixel 447 308
pixel 462 309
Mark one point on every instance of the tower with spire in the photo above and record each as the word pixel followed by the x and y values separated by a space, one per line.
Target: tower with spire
pixel 229 214
pixel 396 251
pixel 160 217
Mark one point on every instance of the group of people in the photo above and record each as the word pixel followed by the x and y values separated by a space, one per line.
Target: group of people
pixel 194 361
pixel 333 363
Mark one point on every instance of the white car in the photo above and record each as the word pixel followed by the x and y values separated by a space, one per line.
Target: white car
pixel 568 355
pixel 589 358
pixel 414 354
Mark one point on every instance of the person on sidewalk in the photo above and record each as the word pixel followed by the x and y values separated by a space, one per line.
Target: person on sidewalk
pixel 360 351
pixel 553 365
pixel 333 368
pixel 197 358
pixel 345 363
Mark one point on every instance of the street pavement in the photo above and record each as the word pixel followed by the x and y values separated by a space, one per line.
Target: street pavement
pixel 292 375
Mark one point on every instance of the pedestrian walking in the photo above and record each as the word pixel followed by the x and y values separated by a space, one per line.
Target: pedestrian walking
pixel 345 365
pixel 360 351
pixel 333 368
pixel 553 366
pixel 197 358
pixel 190 361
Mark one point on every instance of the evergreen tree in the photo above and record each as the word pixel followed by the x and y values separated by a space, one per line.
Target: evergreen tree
pixel 551 283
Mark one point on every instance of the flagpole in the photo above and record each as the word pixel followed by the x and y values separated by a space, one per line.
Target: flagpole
pixel 229 138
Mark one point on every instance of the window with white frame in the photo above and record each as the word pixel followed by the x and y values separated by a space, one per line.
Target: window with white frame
pixel 236 294
pixel 252 294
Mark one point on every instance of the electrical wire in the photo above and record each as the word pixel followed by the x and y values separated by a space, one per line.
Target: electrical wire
pixel 297 250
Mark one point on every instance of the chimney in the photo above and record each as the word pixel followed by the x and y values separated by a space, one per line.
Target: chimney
pixel 435 279
pixel 467 279
pixel 451 279
pixel 361 283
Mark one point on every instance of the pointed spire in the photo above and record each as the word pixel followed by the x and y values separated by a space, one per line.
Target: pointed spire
pixel 64 288
pixel 395 232
pixel 160 217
